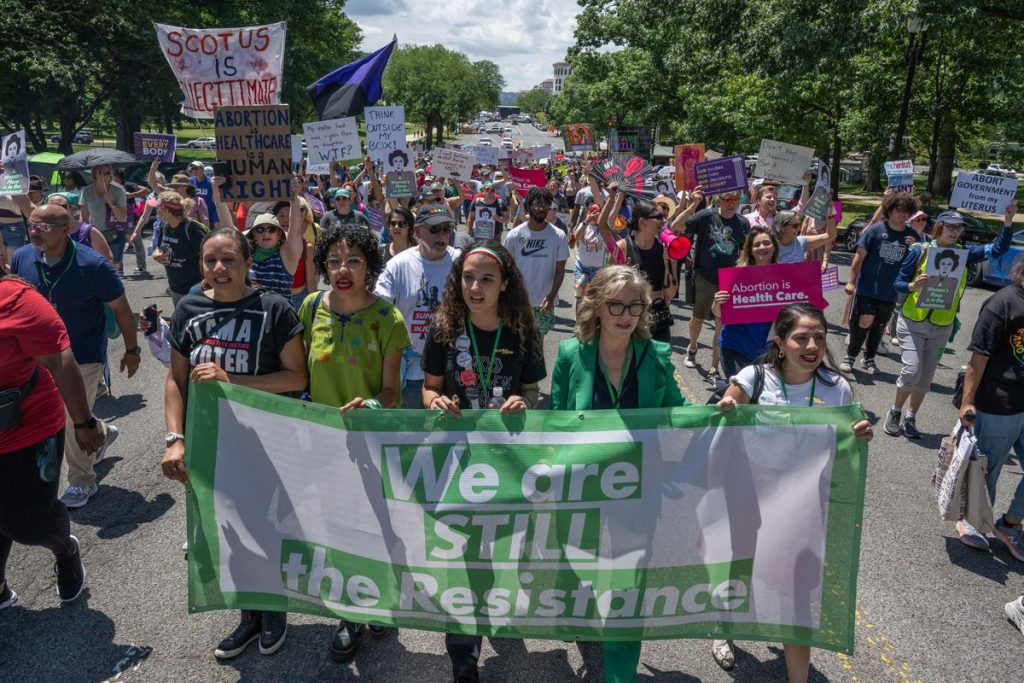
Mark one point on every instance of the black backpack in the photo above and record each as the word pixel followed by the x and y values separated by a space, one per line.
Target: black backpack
pixel 719 392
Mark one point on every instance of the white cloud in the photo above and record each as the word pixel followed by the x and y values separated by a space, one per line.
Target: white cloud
pixel 523 37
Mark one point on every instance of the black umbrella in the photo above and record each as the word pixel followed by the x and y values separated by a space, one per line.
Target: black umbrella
pixel 80 161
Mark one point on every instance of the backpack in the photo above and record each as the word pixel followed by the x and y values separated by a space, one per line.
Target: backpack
pixel 758 387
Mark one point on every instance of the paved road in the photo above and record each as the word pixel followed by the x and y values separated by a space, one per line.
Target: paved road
pixel 524 135
pixel 929 608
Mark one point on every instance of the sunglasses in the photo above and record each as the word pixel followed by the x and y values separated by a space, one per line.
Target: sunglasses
pixel 259 230
pixel 397 224
pixel 443 227
pixel 46 227
pixel 616 308
pixel 730 200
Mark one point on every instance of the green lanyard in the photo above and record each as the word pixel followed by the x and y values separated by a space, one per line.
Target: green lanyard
pixel 52 285
pixel 616 394
pixel 485 379
pixel 814 384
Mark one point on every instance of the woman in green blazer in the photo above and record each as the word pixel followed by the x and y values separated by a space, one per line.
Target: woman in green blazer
pixel 612 363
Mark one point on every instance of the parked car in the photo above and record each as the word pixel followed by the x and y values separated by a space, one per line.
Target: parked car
pixel 201 143
pixel 486 142
pixel 506 142
pixel 997 272
pixel 1000 170
pixel 82 137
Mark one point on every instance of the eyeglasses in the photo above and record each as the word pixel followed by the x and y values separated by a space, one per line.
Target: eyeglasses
pixel 636 309
pixel 260 229
pixel 655 216
pixel 397 224
pixel 352 263
pixel 46 227
pixel 443 227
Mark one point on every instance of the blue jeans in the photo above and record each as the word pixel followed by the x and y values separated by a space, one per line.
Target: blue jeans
pixel 117 245
pixel 14 235
pixel 997 434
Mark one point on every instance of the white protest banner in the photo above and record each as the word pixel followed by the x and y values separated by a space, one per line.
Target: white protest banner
pixel 329 141
pixel 541 152
pixel 900 175
pixel 783 161
pixel 15 178
pixel 981 192
pixel 522 157
pixel 452 163
pixel 221 67
pixel 385 134
pixel 943 269
pixel 257 142
pixel 485 155
pixel 602 525
pixel 296 150
pixel 504 152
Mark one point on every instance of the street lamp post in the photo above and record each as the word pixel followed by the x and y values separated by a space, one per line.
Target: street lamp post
pixel 914 27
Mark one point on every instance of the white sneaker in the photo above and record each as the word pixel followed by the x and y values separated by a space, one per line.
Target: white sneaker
pixel 1015 613
pixel 112 434
pixel 846 366
pixel 77 496
pixel 690 360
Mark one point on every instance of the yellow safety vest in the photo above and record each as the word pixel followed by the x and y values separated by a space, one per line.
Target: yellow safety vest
pixel 940 317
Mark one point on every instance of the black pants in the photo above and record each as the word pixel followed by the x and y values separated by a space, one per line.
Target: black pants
pixel 733 361
pixel 30 512
pixel 865 305
pixel 463 650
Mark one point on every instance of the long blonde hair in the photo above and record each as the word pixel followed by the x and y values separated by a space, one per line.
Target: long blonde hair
pixel 608 282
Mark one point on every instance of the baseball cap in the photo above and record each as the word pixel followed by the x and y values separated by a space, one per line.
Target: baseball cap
pixel 196 163
pixel 919 214
pixel 487 185
pixel 208 170
pixel 433 215
pixel 343 192
pixel 950 218
pixel 436 186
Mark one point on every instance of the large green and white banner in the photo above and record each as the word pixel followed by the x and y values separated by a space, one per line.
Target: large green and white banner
pixel 603 525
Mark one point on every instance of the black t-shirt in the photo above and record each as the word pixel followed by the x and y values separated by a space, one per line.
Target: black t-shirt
pixel 203 331
pixel 999 334
pixel 718 241
pixel 182 247
pixel 513 366
pixel 603 399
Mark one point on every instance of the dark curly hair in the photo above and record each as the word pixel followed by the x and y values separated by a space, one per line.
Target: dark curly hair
pixel 513 303
pixel 356 237
pixel 899 201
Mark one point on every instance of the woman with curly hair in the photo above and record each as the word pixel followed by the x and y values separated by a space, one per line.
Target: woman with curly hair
pixel 354 343
pixel 611 362
pixel 483 339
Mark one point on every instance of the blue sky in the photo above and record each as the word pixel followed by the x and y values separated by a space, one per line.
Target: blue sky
pixel 523 37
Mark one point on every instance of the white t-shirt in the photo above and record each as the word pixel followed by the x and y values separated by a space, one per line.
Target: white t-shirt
pixel 415 286
pixel 794 251
pixel 536 252
pixel 591 251
pixel 835 392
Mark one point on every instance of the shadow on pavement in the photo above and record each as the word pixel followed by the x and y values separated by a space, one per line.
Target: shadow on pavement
pixel 115 511
pixel 988 565
pixel 71 642
pixel 111 408
pixel 749 668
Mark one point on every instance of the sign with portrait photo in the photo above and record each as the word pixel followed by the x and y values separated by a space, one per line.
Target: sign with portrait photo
pixel 943 269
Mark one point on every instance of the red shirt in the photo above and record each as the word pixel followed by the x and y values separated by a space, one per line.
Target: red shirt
pixel 29 326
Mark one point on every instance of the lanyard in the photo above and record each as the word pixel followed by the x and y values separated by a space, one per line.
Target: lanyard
pixel 814 384
pixel 52 285
pixel 616 394
pixel 485 379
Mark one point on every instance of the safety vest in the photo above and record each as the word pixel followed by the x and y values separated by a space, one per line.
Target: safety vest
pixel 939 317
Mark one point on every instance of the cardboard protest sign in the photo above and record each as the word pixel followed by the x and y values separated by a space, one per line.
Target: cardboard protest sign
pixel 484 222
pixel 525 178
pixel 631 141
pixel 900 175
pixel 485 155
pixel 15 178
pixel 452 163
pixel 154 146
pixel 981 192
pixel 329 141
pixel 400 184
pixel 830 279
pixel 818 204
pixel 616 553
pixel 783 161
pixel 943 268
pixel 579 137
pixel 716 176
pixel 385 135
pixel 758 293
pixel 224 67
pixel 687 157
pixel 257 143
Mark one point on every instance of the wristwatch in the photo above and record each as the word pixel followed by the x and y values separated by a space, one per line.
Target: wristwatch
pixel 88 424
pixel 137 351
pixel 171 437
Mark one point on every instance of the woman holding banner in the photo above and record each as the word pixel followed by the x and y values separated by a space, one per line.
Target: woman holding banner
pixel 796 370
pixel 483 351
pixel 923 327
pixel 612 363
pixel 743 343
pixel 354 342
pixel 264 352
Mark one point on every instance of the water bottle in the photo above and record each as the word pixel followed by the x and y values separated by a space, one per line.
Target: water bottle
pixel 498 399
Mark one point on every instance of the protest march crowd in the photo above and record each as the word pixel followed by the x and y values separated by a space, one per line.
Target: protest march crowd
pixel 345 295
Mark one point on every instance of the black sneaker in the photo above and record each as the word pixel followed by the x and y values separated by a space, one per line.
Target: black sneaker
pixel 910 428
pixel 470 674
pixel 247 631
pixel 275 627
pixel 7 596
pixel 345 643
pixel 379 631
pixel 70 574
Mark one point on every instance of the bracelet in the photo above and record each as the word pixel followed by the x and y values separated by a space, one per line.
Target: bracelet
pixel 372 403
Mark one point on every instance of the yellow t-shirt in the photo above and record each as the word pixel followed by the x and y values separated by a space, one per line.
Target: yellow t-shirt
pixel 346 352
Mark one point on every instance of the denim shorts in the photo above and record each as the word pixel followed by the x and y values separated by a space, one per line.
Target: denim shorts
pixel 14 235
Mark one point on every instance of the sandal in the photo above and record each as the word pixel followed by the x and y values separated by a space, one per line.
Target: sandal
pixel 724 654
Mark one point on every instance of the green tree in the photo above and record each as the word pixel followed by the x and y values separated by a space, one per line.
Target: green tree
pixel 534 101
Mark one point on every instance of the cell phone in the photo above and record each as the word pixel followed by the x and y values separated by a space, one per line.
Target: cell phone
pixel 223 169
pixel 149 313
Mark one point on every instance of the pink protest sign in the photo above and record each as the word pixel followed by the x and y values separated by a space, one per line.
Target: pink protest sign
pixel 525 178
pixel 760 292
